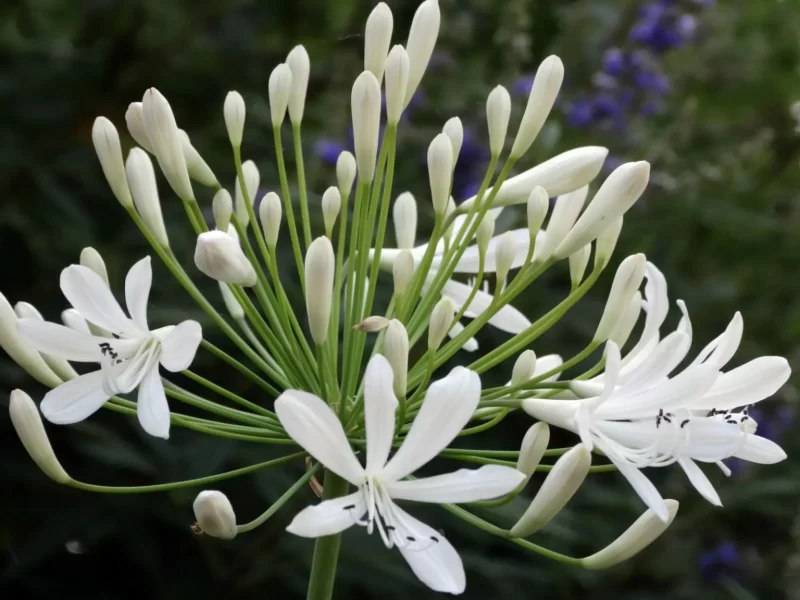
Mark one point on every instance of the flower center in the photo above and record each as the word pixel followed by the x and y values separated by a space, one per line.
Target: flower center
pixel 121 373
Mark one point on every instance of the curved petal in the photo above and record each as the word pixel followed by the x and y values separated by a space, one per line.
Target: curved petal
pixel 640 484
pixel 761 451
pixel 471 345
pixel 75 400
pixel 137 291
pixel 699 480
pixel 92 298
pixel 547 363
pixel 464 485
pixel 312 424
pixel 747 384
pixel 380 405
pixel 74 320
pixel 152 408
pixel 470 260
pixel 447 407
pixel 507 319
pixel 722 349
pixel 57 340
pixel 180 346
pixel 328 517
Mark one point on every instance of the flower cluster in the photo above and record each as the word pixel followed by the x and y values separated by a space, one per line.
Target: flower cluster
pixel 334 376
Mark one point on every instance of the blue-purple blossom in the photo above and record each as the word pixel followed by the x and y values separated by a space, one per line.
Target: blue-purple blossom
pixel 722 561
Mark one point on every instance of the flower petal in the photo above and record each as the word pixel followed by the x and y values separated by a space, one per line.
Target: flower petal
pixel 471 345
pixel 92 298
pixel 312 423
pixel 75 400
pixel 328 517
pixel 747 384
pixel 507 319
pixel 57 340
pixel 447 407
pixel 137 291
pixel 152 408
pixel 699 480
pixel 380 405
pixel 180 346
pixel 640 483
pixel 470 260
pixel 464 485
pixel 547 363
pixel 722 349
pixel 761 451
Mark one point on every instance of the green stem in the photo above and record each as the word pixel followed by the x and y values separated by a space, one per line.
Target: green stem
pixel 261 519
pixel 326 549
pixel 301 183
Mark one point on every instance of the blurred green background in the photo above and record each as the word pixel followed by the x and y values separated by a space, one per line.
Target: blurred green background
pixel 703 91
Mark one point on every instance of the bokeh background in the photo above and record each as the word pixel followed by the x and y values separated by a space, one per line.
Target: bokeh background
pixel 702 91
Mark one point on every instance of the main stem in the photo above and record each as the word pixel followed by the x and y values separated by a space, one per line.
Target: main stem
pixel 326 549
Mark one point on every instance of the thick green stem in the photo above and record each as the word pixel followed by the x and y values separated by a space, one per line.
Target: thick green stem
pixel 326 549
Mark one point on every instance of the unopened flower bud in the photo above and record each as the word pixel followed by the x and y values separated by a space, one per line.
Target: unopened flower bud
pixel 498 113
pixel 506 252
pixel 74 320
pixel 396 82
pixel 578 262
pixel 405 220
pixel 440 171
pixel 644 531
pixel 197 167
pixel 300 65
pixel 455 131
pixel 533 447
pixel 441 322
pixel 106 144
pixel 606 242
pixel 627 280
pixel 421 41
pixel 135 121
pixel 319 270
pixel 214 514
pixel 622 330
pixel 546 85
pixel 538 204
pixel 252 178
pixel 395 349
pixel 485 233
pixel 280 87
pixel 365 103
pixel 231 303
pixel 234 112
pixel 565 213
pixel 29 427
pixel 60 367
pixel 403 271
pixel 142 181
pixel 222 206
pixel 559 486
pixel 524 367
pixel 219 256
pixel 92 259
pixel 372 324
pixel 377 38
pixel 345 172
pixel 331 205
pixel 270 212
pixel 20 351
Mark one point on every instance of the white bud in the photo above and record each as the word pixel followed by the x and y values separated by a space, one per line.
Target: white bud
pixel 377 38
pixel 252 178
pixel 270 212
pixel 441 322
pixel 231 303
pixel 404 216
pixel 506 252
pixel 577 264
pixel 546 85
pixel 142 181
pixel 300 66
pixel 106 144
pixel 627 281
pixel 20 351
pixel 455 131
pixel 498 113
pixel 197 167
pixel 280 86
pixel 214 514
pixel 219 256
pixel 365 103
pixel 234 112
pixel 617 194
pixel 135 121
pixel 320 265
pixel 606 242
pixel 74 320
pixel 565 213
pixel 421 41
pixel 222 206
pixel 403 271
pixel 345 173
pixel 524 367
pixel 533 447
pixel 29 427
pixel 60 367
pixel 622 330
pixel 162 131
pixel 395 349
pixel 559 486
pixel 538 204
pixel 92 259
pixel 440 171
pixel 396 82
pixel 331 205
pixel 485 233
pixel 644 531
pixel 372 324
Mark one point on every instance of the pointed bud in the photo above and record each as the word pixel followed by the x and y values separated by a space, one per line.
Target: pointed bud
pixel 577 264
pixel 644 531
pixel 441 322
pixel 320 264
pixel 559 486
pixel 485 233
pixel 455 131
pixel 396 82
pixel 106 144
pixel 617 194
pixel 142 181
pixel 135 121
pixel 331 205
pixel 533 447
pixel 606 242
pixel 92 259
pixel 365 103
pixel 345 173
pixel 219 256
pixel 524 367
pixel 197 167
pixel 214 514
pixel 627 281
pixel 538 204
pixel 280 86
pixel 622 330
pixel 20 351
pixel 29 427
pixel 546 85
pixel 421 41
pixel 60 367
pixel 252 178
pixel 74 320
pixel 506 252
pixel 565 213
pixel 300 66
pixel 404 216
pixel 222 206
pixel 162 131
pixel 440 171
pixel 270 212
pixel 377 38
pixel 498 113
pixel 395 349
pixel 372 324
pixel 231 303
pixel 234 112
pixel 403 271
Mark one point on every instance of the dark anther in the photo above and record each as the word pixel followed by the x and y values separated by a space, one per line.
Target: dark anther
pixel 435 539
pixel 683 423
pixel 744 418
pixel 115 336
pixel 390 528
pixel 350 507
pixel 411 539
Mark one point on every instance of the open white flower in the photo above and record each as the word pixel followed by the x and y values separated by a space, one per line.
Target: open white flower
pixel 448 405
pixel 128 359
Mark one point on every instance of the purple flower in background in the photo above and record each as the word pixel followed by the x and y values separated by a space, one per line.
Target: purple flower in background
pixel 614 61
pixel 328 150
pixel 580 113
pixel 522 86
pixel 723 561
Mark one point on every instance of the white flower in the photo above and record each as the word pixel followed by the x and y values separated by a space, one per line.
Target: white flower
pixel 129 359
pixel 448 405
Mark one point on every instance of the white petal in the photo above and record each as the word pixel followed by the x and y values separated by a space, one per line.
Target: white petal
pixel 710 439
pixel 722 349
pixel 700 482
pixel 464 485
pixel 507 319
pixel 560 413
pixel 137 291
pixel 380 405
pixel 152 408
pixel 57 340
pixel 180 346
pixel 92 298
pixel 470 260
pixel 747 384
pixel 311 423
pixel 75 400
pixel 641 485
pixel 547 363
pixel 328 517
pixel 760 450
pixel 447 407
pixel 471 345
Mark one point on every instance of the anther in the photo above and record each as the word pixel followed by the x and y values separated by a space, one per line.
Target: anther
pixel 411 539
pixel 350 507
pixel 683 423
